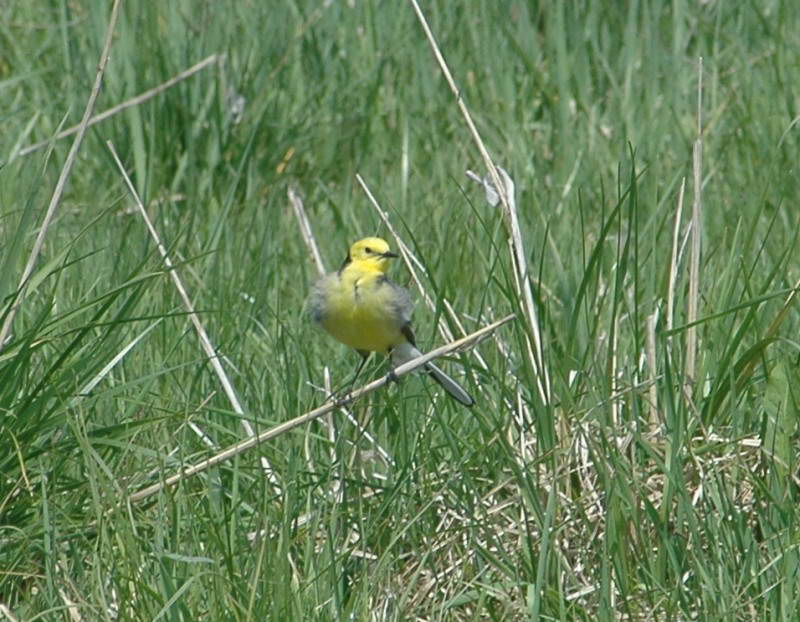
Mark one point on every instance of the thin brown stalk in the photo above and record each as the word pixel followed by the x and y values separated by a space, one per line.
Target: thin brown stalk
pixel 405 252
pixel 675 260
pixel 305 229
pixel 133 101
pixel 61 184
pixel 253 441
pixel 411 261
pixel 652 319
pixel 311 242
pixel 205 341
pixel 518 254
pixel 694 258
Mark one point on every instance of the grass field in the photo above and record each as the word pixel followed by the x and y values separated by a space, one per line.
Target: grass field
pixel 632 452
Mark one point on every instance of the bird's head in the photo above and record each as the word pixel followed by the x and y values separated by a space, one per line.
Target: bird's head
pixel 371 252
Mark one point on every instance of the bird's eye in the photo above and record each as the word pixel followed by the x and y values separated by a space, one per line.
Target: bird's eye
pixel 368 250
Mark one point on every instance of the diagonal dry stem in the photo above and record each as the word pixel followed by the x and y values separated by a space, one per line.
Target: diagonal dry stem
pixel 405 252
pixel 694 257
pixel 205 341
pixel 411 261
pixel 518 254
pixel 675 260
pixel 61 184
pixel 133 101
pixel 311 242
pixel 305 229
pixel 253 441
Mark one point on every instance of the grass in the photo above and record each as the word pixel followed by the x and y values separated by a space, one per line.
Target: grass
pixel 634 490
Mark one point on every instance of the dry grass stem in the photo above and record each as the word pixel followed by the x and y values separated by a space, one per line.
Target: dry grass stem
pixel 408 257
pixel 55 200
pixel 518 255
pixel 7 613
pixel 130 103
pixel 253 441
pixel 308 236
pixel 675 260
pixel 652 320
pixel 410 260
pixel 694 257
pixel 205 341
pixel 305 229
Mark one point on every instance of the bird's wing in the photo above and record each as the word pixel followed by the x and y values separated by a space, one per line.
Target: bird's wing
pixel 318 299
pixel 401 304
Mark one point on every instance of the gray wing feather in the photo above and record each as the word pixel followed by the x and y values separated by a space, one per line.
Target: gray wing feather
pixel 317 302
pixel 402 304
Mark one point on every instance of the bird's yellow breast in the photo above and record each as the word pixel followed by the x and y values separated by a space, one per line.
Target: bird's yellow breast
pixel 361 311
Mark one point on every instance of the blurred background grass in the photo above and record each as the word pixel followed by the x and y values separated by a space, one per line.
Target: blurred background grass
pixel 635 492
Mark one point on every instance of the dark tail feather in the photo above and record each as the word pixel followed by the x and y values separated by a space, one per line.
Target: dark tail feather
pixel 449 385
pixel 406 352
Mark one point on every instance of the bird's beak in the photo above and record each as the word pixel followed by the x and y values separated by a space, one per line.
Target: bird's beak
pixel 389 254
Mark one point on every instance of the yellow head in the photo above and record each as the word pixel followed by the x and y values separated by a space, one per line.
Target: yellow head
pixel 371 253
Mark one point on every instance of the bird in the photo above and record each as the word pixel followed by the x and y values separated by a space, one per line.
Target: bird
pixel 360 306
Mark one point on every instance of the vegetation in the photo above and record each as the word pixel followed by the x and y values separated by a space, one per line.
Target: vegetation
pixel 642 469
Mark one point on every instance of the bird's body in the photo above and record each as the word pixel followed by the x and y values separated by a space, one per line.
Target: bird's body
pixel 362 308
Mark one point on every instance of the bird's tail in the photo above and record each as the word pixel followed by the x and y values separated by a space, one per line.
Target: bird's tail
pixel 406 352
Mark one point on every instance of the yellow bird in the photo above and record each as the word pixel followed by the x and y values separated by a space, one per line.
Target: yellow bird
pixel 361 307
